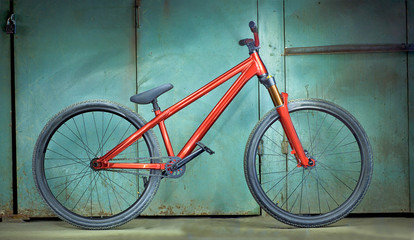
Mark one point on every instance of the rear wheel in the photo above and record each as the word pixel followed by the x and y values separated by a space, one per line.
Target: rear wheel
pixel 313 196
pixel 63 172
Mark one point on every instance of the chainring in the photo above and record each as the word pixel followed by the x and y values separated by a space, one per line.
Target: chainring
pixel 170 172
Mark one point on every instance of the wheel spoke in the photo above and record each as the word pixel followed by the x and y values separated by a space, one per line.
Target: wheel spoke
pixel 65 158
pixel 79 136
pixel 289 173
pixel 86 189
pixel 97 135
pixel 330 171
pixel 301 182
pixel 83 147
pixel 106 130
pixel 313 143
pixel 73 159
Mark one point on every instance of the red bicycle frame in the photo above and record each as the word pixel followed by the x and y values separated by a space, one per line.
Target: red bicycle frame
pixel 248 68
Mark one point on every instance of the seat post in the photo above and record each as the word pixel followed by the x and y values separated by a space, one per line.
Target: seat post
pixel 155 106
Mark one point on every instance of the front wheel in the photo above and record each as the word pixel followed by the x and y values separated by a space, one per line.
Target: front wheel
pixel 65 178
pixel 313 196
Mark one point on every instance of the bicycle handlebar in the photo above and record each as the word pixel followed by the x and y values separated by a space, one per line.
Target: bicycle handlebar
pixel 245 41
pixel 253 28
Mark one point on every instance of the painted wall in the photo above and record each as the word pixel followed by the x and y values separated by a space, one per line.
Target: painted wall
pixel 66 53
pixel 188 44
pixel 372 86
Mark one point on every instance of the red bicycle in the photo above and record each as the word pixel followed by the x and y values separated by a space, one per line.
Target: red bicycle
pixel 307 163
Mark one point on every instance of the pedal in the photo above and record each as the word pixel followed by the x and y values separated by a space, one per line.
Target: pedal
pixel 205 148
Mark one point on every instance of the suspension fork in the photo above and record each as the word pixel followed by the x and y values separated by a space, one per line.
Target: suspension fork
pixel 281 103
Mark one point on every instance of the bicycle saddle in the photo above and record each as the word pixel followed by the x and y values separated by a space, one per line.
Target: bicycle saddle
pixel 150 95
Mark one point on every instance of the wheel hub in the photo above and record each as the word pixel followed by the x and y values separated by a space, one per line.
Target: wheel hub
pixel 311 160
pixel 95 165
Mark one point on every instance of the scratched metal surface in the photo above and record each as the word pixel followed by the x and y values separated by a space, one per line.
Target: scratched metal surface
pixel 6 192
pixel 372 86
pixel 66 53
pixel 189 43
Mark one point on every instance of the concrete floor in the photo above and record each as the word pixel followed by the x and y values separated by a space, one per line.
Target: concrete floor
pixel 215 228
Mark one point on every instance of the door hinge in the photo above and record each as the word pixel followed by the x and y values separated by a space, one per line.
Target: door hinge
pixel 285 145
pixel 11 24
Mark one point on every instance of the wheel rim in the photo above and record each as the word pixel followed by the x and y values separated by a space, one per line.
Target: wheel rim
pixel 73 184
pixel 313 192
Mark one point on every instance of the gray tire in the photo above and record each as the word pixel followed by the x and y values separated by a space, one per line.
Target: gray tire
pixel 73 190
pixel 314 196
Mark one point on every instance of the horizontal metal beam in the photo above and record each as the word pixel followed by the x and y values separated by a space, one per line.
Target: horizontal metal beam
pixel 340 49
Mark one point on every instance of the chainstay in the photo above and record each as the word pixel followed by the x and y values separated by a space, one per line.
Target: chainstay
pixel 143 158
pixel 137 173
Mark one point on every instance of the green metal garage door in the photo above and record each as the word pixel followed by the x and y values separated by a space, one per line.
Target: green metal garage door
pixel 66 52
pixel 372 86
pixel 189 43
pixel 69 51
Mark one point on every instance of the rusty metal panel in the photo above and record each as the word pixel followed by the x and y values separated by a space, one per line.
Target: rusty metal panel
pixel 66 52
pixel 6 191
pixel 372 86
pixel 410 65
pixel 188 43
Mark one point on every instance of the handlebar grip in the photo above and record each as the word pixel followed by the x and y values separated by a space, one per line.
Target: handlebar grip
pixel 245 41
pixel 253 26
